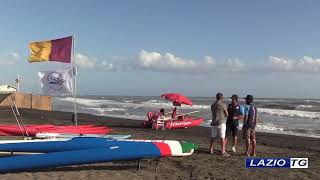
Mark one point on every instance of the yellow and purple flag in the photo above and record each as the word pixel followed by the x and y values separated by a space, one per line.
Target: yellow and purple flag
pixel 53 50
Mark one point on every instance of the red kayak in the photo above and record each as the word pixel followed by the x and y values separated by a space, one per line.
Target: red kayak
pixel 188 122
pixel 14 130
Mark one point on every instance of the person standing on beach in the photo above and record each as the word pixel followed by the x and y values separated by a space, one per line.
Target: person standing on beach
pixel 235 113
pixel 218 124
pixel 249 125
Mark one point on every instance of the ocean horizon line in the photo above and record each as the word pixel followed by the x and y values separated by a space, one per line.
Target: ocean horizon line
pixel 226 96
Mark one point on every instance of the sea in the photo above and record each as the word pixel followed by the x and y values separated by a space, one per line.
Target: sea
pixel 300 117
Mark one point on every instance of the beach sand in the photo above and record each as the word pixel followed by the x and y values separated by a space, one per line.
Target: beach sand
pixel 200 165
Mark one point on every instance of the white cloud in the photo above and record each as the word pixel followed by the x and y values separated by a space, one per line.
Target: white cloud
pixel 234 65
pixel 280 64
pixel 171 63
pixel 14 55
pixel 85 62
pixel 309 64
pixel 107 66
pixel 305 64
pixel 158 61
pixel 9 59
pixel 209 60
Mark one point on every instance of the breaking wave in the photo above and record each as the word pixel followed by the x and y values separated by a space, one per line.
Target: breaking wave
pixel 279 106
pixel 281 116
pixel 149 103
pixel 290 113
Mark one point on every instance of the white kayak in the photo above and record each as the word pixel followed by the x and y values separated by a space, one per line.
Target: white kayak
pixel 69 136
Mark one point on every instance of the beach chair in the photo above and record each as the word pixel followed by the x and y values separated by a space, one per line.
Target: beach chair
pixel 158 122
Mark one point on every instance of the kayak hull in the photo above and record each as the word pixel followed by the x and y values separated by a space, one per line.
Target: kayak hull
pixel 79 151
pixel 32 130
pixel 78 157
pixel 58 145
pixel 176 124
pixel 69 136
pixel 183 123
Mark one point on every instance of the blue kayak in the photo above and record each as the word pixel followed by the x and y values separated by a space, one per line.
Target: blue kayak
pixel 107 153
pixel 57 145
pixel 82 150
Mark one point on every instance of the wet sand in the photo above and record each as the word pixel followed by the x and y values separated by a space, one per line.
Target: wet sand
pixel 201 165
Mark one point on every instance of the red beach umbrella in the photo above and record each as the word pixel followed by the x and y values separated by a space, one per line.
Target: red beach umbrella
pixel 177 99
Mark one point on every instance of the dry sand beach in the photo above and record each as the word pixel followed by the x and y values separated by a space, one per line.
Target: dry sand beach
pixel 201 165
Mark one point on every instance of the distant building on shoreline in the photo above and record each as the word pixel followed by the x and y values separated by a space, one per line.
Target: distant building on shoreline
pixel 7 88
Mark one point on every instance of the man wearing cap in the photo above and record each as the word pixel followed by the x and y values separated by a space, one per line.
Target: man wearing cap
pixel 249 124
pixel 235 112
pixel 218 129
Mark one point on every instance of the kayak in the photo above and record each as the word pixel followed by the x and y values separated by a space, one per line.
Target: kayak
pixel 188 122
pixel 69 136
pixel 32 130
pixel 110 151
pixel 176 148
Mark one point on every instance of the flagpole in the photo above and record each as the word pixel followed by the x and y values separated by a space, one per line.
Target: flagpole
pixel 18 83
pixel 74 69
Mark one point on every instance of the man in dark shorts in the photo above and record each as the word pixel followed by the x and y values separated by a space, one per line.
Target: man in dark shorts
pixel 235 112
pixel 249 125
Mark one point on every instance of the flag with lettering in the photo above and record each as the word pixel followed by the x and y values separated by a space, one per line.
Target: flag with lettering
pixel 56 82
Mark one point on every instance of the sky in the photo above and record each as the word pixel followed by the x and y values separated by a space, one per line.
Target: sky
pixel 198 48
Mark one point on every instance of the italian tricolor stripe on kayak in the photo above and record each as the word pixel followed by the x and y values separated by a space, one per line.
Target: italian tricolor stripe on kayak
pixel 164 148
pixel 175 148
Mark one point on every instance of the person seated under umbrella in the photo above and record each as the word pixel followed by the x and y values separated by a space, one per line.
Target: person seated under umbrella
pixel 161 115
pixel 177 100
pixel 174 112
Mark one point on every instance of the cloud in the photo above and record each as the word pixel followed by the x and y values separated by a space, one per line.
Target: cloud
pixel 91 63
pixel 171 63
pixel 209 60
pixel 157 61
pixel 9 59
pixel 306 64
pixel 85 62
pixel 107 66
pixel 234 65
pixel 14 55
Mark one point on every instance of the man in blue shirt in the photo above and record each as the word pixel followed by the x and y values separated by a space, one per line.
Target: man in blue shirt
pixel 235 113
pixel 249 125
